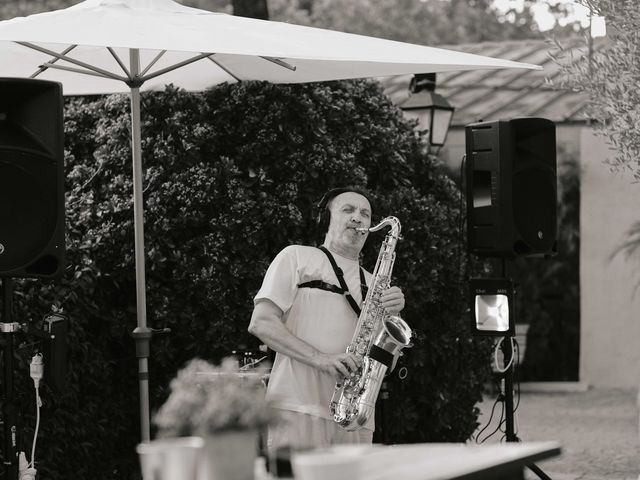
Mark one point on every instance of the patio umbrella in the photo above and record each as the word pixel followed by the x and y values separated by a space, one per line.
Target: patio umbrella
pixel 111 46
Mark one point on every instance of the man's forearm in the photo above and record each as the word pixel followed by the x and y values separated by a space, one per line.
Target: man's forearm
pixel 277 337
pixel 266 324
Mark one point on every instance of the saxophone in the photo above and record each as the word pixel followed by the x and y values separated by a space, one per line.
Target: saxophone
pixel 377 341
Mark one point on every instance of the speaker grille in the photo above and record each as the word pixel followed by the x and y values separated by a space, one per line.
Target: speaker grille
pixel 31 178
pixel 511 187
pixel 28 204
pixel 534 207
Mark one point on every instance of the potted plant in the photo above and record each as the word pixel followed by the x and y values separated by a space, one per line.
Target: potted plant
pixel 226 408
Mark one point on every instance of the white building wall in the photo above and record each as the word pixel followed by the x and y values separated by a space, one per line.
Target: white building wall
pixel 610 313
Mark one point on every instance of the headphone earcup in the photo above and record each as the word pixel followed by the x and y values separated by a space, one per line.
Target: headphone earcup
pixel 323 218
pixel 324 214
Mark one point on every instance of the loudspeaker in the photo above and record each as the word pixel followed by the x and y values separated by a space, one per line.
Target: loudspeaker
pixel 511 187
pixel 31 178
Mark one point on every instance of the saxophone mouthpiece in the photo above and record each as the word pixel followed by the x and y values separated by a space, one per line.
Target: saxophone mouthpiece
pixel 362 231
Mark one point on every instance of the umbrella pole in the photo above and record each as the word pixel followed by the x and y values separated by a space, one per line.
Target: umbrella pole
pixel 142 334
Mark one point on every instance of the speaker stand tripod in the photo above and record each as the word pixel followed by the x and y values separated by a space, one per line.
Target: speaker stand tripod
pixel 507 376
pixel 8 328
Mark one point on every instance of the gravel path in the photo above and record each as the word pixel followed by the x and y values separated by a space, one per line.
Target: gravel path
pixel 597 429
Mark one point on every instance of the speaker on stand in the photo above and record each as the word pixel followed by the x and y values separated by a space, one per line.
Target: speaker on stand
pixel 31 179
pixel 511 187
pixel 511 192
pixel 31 210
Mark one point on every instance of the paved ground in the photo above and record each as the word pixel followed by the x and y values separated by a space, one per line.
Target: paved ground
pixel 597 429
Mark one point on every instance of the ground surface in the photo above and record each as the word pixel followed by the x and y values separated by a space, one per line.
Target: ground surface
pixel 597 429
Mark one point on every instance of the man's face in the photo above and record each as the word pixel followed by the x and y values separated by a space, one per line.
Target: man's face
pixel 349 211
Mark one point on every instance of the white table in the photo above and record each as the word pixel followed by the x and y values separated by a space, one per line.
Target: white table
pixel 448 461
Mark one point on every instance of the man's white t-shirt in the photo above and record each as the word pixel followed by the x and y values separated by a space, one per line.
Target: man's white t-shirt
pixel 321 318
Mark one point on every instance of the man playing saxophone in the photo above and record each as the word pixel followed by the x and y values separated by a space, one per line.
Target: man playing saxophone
pixel 306 315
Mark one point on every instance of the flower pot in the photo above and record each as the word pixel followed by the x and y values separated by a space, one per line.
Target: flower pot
pixel 171 458
pixel 229 455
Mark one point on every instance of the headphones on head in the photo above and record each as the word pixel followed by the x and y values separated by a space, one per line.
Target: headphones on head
pixel 324 214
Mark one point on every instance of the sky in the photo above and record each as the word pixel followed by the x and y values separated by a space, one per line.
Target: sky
pixel 545 19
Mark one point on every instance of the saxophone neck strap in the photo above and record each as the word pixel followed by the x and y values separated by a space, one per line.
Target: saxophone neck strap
pixel 343 284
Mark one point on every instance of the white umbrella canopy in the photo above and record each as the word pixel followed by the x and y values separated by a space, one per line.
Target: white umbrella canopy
pixel 227 49
pixel 117 46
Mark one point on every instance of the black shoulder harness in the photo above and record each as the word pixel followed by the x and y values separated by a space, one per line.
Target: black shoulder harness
pixel 343 289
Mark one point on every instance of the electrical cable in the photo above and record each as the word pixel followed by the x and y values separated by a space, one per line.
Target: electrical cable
pixel 516 380
pixel 36 371
pixel 35 432
pixel 495 355
pixel 498 400
pixel 515 426
pixel 502 421
pixel 516 377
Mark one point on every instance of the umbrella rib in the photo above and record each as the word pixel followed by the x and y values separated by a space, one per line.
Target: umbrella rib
pixel 53 60
pixel 279 62
pixel 104 73
pixel 176 66
pixel 120 62
pixel 83 72
pixel 153 62
pixel 227 71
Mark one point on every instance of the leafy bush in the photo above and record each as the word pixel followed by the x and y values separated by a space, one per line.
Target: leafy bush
pixel 606 79
pixel 231 176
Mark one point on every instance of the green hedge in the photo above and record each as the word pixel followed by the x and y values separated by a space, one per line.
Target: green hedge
pixel 231 176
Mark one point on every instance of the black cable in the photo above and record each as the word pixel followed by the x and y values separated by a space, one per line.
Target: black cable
pixel 497 384
pixel 488 421
pixel 499 399
pixel 516 377
pixel 535 469
pixel 498 429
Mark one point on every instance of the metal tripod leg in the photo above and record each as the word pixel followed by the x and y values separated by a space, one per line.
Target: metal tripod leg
pixel 509 407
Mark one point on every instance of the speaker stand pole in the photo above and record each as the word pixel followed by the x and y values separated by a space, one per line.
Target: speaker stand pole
pixel 507 376
pixel 509 408
pixel 507 352
pixel 10 459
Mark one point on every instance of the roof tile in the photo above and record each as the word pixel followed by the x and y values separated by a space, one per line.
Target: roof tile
pixel 502 94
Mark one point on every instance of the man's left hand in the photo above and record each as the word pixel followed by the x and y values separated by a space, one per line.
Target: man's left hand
pixel 392 300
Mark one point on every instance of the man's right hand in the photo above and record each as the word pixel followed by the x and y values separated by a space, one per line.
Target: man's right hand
pixel 339 365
